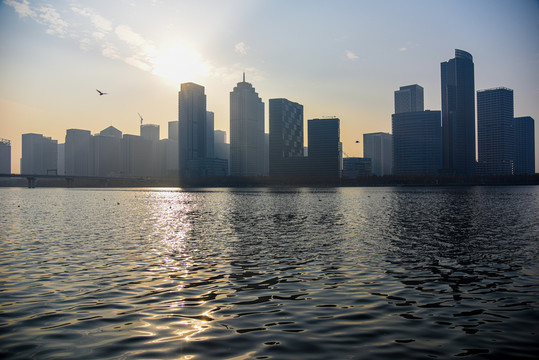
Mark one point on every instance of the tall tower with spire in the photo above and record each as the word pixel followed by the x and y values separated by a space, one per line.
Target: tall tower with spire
pixel 246 131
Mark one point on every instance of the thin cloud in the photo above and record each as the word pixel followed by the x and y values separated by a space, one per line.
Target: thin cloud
pixel 22 8
pixel 351 56
pixel 240 48
pixel 57 26
pixel 403 49
pixel 44 15
pixel 101 24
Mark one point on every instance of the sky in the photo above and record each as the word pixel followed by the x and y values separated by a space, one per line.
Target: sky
pixel 341 58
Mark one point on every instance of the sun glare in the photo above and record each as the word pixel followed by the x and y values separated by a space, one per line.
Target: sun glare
pixel 179 64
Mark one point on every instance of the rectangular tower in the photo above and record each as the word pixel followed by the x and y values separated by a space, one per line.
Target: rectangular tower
pixel 495 133
pixel 285 135
pixel 458 115
pixel 417 142
pixel 524 145
pixel 5 156
pixel 192 133
pixel 246 131
pixel 379 148
pixel 409 99
pixel 324 151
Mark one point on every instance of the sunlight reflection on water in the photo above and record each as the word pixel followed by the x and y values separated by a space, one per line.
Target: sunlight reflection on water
pixel 269 273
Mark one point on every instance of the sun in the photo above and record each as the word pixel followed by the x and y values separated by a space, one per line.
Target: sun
pixel 179 64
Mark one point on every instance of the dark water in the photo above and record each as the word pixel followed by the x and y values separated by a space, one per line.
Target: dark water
pixel 351 273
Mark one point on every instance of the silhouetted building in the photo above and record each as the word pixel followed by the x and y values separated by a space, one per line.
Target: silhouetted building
pixel 192 125
pixel 79 160
pixel 39 155
pixel 107 156
pixel 150 132
pixel 246 131
pixel 285 136
pixel 173 130
pixel 324 155
pixel 61 159
pixel 170 151
pixel 379 148
pixel 221 147
pixel 353 167
pixel 137 156
pixel 458 115
pixel 524 145
pixel 112 132
pixel 5 156
pixel 417 142
pixel 495 133
pixel 210 120
pixel 409 99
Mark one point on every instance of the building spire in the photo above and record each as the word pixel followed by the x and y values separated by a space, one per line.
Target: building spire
pixel 244 76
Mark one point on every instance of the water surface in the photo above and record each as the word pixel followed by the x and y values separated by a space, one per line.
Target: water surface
pixel 357 273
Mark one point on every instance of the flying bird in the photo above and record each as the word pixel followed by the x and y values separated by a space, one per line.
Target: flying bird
pixel 140 116
pixel 101 93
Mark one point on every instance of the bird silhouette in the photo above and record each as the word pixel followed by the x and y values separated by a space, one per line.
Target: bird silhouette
pixel 101 93
pixel 140 118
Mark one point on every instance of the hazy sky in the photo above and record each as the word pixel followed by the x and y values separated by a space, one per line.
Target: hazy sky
pixel 341 58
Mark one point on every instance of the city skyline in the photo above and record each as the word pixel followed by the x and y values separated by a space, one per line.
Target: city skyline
pixel 344 60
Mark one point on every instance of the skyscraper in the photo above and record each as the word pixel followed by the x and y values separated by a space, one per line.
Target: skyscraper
pixel 324 151
pixel 192 134
pixel 495 133
pixel 5 156
pixel 285 136
pixel 458 115
pixel 524 145
pixel 210 120
pixel 107 147
pixel 409 98
pixel 79 159
pixel 246 131
pixel 417 142
pixel 379 148
pixel 39 155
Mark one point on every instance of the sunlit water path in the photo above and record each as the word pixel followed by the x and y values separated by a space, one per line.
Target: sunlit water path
pixel 359 273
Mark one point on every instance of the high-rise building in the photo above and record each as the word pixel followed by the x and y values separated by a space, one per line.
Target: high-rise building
pixel 458 115
pixel 524 145
pixel 495 132
pixel 39 155
pixel 192 132
pixel 324 152
pixel 285 136
pixel 417 142
pixel 173 130
pixel 150 132
pixel 137 159
pixel 169 150
pixel 356 166
pixel 79 160
pixel 107 147
pixel 5 156
pixel 379 148
pixel 246 131
pixel 409 99
pixel 112 132
pixel 210 120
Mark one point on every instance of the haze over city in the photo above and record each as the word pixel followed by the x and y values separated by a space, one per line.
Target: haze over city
pixel 343 59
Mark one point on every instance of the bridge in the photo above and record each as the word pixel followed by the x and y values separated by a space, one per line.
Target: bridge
pixel 70 180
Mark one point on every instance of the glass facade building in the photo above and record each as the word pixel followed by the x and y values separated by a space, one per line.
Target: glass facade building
pixel 458 115
pixel 524 145
pixel 417 139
